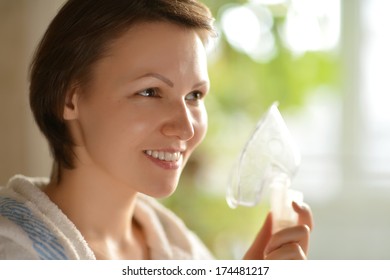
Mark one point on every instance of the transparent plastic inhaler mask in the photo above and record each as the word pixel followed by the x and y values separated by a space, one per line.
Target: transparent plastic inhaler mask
pixel 266 166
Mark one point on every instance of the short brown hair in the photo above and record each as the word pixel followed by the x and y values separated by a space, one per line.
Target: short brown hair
pixel 76 38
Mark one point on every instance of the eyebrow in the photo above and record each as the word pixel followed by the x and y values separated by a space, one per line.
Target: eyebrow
pixel 201 83
pixel 160 77
pixel 168 81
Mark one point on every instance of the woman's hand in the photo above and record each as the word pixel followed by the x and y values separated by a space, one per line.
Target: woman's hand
pixel 288 244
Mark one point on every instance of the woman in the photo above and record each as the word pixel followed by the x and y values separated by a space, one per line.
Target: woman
pixel 118 88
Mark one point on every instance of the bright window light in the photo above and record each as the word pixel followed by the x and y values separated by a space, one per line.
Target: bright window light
pixel 248 30
pixel 312 25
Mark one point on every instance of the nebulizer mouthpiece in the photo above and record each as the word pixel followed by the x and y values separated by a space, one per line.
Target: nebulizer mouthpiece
pixel 266 167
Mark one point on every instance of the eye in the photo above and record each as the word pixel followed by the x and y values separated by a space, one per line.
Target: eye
pixel 194 96
pixel 149 92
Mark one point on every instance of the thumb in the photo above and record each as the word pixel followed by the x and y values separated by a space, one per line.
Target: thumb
pixel 256 251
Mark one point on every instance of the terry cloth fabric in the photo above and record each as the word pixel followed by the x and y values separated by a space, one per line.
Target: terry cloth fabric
pixel 33 227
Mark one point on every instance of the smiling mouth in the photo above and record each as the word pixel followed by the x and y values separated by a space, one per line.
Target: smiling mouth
pixel 164 156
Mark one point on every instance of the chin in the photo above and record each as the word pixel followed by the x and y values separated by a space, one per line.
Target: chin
pixel 161 191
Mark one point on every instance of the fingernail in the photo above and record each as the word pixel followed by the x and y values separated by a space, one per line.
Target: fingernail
pixel 299 204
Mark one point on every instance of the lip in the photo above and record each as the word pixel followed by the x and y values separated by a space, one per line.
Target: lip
pixel 167 165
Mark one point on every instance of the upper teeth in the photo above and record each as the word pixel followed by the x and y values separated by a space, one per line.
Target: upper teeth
pixel 167 156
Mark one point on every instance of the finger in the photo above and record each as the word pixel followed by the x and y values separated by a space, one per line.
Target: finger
pixel 256 251
pixel 305 216
pixel 291 251
pixel 298 234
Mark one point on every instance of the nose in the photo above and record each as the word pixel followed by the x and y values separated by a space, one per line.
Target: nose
pixel 180 122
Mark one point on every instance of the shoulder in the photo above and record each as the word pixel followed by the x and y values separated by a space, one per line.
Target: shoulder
pixel 31 225
pixel 167 233
pixel 18 223
pixel 14 242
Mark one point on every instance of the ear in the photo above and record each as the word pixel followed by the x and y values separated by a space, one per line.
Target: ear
pixel 71 104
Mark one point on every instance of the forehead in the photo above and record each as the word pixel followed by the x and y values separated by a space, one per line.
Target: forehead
pixel 158 45
pixel 156 37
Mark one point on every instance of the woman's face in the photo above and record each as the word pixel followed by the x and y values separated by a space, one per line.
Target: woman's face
pixel 142 114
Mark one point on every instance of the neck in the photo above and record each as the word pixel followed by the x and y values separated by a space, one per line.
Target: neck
pixel 101 208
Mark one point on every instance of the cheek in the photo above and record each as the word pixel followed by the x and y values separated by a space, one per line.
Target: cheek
pixel 111 129
pixel 200 126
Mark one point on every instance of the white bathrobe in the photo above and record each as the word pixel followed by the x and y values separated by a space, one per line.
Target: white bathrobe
pixel 33 227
